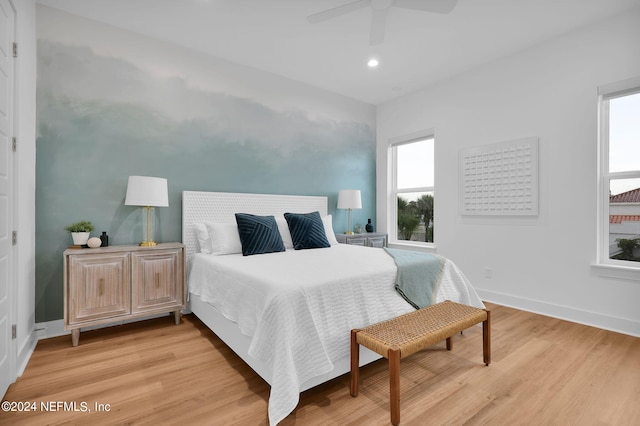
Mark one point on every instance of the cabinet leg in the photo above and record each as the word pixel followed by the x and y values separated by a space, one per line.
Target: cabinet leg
pixel 177 315
pixel 75 336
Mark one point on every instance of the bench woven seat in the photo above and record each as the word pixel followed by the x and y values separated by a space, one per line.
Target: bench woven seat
pixel 407 334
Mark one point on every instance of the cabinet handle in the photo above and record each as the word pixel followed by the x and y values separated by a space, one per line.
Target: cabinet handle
pixel 157 279
pixel 100 286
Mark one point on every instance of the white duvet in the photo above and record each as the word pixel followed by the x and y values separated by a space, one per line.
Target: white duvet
pixel 299 306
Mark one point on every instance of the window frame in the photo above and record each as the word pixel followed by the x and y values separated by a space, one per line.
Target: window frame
pixel 392 209
pixel 604 265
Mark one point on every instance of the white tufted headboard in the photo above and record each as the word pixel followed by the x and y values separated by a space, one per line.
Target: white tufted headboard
pixel 198 206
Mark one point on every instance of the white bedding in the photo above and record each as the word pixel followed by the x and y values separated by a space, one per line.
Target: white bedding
pixel 299 306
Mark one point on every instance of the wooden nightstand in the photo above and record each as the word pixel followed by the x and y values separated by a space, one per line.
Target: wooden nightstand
pixel 118 283
pixel 370 239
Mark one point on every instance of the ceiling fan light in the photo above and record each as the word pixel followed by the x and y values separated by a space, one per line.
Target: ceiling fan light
pixel 373 63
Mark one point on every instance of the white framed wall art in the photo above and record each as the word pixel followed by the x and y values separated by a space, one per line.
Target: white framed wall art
pixel 500 179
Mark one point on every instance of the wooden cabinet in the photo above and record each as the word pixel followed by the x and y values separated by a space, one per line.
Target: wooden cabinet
pixel 118 283
pixel 370 239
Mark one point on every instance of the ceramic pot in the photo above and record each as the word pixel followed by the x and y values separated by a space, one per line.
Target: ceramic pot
pixel 94 242
pixel 80 238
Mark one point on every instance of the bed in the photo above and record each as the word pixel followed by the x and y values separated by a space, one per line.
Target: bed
pixel 288 314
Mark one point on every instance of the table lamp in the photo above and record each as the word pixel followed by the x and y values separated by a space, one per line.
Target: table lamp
pixel 349 199
pixel 147 192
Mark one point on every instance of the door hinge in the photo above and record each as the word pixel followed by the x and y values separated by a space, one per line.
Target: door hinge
pixel 14 238
pixel 15 50
pixel 14 331
pixel 14 142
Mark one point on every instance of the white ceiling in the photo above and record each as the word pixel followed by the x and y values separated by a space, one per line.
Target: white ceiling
pixel 419 49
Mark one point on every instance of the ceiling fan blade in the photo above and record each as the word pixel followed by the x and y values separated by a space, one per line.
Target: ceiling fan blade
pixel 433 6
pixel 337 11
pixel 378 24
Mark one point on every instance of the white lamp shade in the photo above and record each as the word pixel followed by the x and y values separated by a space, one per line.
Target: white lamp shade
pixel 349 199
pixel 147 191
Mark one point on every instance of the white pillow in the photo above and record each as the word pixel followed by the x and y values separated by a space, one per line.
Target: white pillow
pixel 283 227
pixel 224 238
pixel 327 221
pixel 202 235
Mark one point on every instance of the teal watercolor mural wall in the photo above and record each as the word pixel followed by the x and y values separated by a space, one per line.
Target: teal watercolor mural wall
pixel 102 118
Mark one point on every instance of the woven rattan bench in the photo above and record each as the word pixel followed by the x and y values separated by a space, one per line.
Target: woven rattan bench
pixel 407 334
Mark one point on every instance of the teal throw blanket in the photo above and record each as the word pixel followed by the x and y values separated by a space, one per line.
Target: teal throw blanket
pixel 418 276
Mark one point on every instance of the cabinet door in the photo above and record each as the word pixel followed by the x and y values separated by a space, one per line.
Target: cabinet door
pixel 377 241
pixel 357 241
pixel 99 287
pixel 157 282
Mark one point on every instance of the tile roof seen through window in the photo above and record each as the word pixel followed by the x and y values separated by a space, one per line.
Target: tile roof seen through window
pixel 632 196
pixel 619 218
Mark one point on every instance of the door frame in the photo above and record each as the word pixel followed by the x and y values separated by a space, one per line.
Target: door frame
pixel 11 343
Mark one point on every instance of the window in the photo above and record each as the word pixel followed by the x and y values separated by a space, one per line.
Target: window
pixel 412 204
pixel 619 198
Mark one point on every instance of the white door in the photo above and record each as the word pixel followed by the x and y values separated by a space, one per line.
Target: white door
pixel 7 344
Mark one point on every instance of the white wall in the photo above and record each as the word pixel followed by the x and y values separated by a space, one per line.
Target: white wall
pixel 540 264
pixel 24 218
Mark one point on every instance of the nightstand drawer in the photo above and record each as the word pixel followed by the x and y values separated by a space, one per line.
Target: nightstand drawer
pixel 372 239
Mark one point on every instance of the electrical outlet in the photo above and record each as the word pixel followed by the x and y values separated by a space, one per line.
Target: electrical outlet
pixel 488 272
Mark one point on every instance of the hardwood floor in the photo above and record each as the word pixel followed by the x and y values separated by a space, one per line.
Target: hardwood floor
pixel 544 371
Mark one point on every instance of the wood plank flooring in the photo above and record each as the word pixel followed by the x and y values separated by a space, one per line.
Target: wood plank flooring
pixel 544 371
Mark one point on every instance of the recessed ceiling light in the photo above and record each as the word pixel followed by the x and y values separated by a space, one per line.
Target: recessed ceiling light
pixel 373 62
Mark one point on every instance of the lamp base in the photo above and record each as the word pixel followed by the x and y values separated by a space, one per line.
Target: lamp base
pixel 148 244
pixel 348 232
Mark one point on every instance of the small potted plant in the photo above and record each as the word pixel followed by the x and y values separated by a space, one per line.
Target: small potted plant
pixel 80 232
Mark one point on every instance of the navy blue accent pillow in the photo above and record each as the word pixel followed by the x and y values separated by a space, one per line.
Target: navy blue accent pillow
pixel 307 230
pixel 258 234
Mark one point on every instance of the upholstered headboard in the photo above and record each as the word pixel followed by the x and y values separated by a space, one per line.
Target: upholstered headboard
pixel 198 206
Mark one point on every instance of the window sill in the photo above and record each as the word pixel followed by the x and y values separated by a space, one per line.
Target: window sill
pixel 414 245
pixel 616 271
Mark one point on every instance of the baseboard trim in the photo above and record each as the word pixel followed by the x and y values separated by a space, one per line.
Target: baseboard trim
pixel 48 329
pixel 55 328
pixel 24 355
pixel 593 319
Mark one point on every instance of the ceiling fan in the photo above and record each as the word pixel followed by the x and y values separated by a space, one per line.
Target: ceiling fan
pixel 380 10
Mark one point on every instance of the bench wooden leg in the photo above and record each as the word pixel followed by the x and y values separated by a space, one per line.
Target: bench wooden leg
pixel 486 339
pixel 394 385
pixel 355 363
pixel 449 343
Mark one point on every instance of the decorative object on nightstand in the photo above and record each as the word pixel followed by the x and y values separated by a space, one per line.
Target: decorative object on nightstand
pixel 105 239
pixel 147 192
pixel 80 232
pixel 369 239
pixel 94 242
pixel 349 199
pixel 117 283
pixel 369 226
